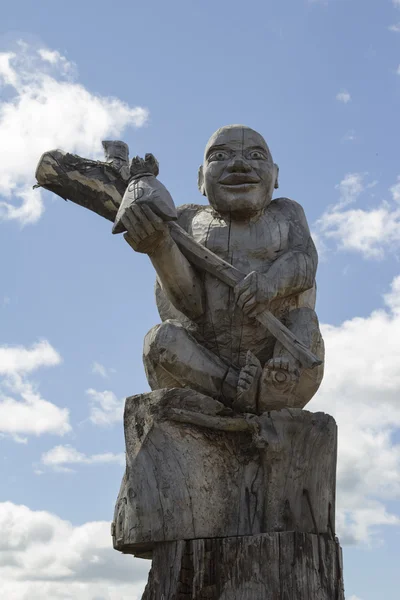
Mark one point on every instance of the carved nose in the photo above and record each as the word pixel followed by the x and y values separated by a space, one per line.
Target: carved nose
pixel 238 165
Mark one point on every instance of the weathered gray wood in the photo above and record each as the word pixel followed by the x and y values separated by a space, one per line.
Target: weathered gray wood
pixel 92 184
pixel 194 470
pixel 117 154
pixel 144 188
pixel 65 174
pixel 270 566
pixel 213 264
pixel 271 242
pixel 209 459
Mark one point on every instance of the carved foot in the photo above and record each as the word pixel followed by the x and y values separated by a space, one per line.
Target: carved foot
pixel 278 380
pixel 248 384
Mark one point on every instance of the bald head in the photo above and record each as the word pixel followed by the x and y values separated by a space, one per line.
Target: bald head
pixel 238 175
pixel 236 134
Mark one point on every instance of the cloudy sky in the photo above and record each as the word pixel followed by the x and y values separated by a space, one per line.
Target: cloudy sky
pixel 321 81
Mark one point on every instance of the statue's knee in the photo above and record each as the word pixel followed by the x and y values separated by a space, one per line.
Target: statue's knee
pixel 161 338
pixel 150 339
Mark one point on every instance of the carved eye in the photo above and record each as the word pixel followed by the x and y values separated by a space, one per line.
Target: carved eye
pixel 257 155
pixel 219 155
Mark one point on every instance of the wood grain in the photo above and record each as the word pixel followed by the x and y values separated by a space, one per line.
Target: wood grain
pixel 195 470
pixel 269 566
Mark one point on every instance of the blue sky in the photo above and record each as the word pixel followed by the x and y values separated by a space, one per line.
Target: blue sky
pixel 321 81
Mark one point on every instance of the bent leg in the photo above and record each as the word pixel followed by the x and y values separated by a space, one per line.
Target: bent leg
pixel 173 358
pixel 303 322
pixel 300 384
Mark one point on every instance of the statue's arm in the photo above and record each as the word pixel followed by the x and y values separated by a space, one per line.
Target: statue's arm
pixel 294 271
pixel 291 273
pixel 178 279
pixel 180 282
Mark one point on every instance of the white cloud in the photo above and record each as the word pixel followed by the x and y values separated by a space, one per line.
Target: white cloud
pixel 343 96
pixel 20 360
pixel 43 556
pixel 351 186
pixel 105 408
pixel 7 73
pixel 361 389
pixel 48 109
pixel 350 136
pixel 371 232
pixel 395 27
pixel 67 455
pixel 319 244
pixel 392 298
pixel 354 598
pixel 99 369
pixel 395 191
pixel 30 414
pixel 55 58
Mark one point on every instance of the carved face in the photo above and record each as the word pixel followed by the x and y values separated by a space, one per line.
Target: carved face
pixel 238 175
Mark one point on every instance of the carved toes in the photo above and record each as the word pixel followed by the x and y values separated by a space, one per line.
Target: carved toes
pixel 247 389
pixel 282 369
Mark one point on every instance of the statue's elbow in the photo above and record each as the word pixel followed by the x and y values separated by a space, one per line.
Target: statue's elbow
pixel 195 306
pixel 189 302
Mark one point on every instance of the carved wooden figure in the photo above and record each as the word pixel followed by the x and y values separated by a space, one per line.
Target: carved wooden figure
pixel 221 452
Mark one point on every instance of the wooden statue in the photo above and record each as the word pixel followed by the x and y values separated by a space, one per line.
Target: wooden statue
pixel 230 485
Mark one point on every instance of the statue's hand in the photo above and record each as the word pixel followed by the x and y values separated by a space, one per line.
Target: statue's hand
pixel 254 293
pixel 146 231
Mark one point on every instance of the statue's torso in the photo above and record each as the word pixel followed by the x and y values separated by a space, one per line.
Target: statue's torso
pixel 248 246
pixel 223 327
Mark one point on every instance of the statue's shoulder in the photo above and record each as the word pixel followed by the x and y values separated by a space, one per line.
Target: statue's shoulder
pixel 289 209
pixel 187 212
pixel 286 205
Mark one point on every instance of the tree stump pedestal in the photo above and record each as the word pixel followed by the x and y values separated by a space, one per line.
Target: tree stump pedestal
pixel 237 507
pixel 268 566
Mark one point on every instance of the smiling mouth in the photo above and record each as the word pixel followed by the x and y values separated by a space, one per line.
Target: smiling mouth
pixel 235 179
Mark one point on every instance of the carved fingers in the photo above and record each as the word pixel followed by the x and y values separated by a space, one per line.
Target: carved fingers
pixel 145 229
pixel 253 294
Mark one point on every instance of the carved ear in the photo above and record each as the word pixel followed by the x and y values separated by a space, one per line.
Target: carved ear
pixel 200 181
pixel 276 186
